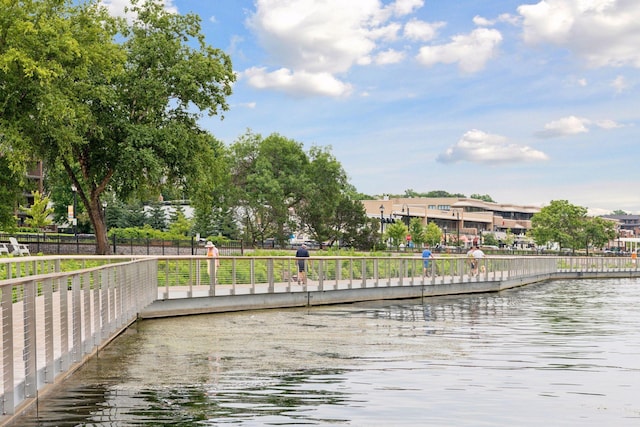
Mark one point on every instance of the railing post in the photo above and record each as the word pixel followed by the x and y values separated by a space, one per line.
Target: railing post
pixel 50 371
pixel 76 309
pixel 320 274
pixel 252 275
pixel 86 320
pixel 270 275
pixel 212 277
pixel 63 287
pixel 350 286
pixel 30 344
pixel 376 272
pixel 8 403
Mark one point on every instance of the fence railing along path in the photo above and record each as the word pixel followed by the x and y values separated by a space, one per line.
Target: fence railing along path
pixel 57 311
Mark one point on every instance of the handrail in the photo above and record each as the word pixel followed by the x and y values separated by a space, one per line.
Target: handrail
pixel 52 320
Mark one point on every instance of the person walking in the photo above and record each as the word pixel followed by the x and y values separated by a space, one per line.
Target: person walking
pixel 472 261
pixel 212 252
pixel 426 256
pixel 478 255
pixel 301 254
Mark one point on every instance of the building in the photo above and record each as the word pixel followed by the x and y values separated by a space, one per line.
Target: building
pixel 626 225
pixel 35 177
pixel 462 219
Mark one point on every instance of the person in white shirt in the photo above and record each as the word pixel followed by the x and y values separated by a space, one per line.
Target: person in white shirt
pixel 477 258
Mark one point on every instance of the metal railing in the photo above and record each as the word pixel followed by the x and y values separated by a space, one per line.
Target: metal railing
pixel 52 320
pixel 181 277
pixel 188 277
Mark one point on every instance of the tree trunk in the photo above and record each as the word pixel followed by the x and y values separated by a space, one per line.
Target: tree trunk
pixel 98 221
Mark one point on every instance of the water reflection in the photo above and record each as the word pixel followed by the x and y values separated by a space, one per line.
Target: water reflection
pixel 562 351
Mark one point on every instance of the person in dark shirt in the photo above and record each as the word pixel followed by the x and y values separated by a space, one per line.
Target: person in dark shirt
pixel 301 254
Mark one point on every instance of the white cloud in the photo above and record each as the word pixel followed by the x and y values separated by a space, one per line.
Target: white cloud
pixel 405 7
pixel 310 43
pixel 421 31
pixel 477 146
pixel 389 57
pixel 572 125
pixel 117 7
pixel 482 22
pixel 471 51
pixel 509 19
pixel 608 124
pixel 310 35
pixel 603 32
pixel 619 84
pixel 296 83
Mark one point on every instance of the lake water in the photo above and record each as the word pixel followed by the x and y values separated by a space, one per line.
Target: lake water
pixel 562 353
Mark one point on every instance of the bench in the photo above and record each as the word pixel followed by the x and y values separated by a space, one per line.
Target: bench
pixel 19 248
pixel 4 249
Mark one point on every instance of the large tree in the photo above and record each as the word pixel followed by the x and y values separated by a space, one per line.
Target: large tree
pixel 569 226
pixel 114 103
pixel 560 223
pixel 397 233
pixel 348 224
pixel 325 190
pixel 9 194
pixel 267 176
pixel 597 232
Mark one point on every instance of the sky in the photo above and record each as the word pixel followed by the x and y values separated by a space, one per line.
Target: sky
pixel 526 102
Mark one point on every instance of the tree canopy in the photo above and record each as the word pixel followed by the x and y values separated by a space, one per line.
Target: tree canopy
pixel 113 103
pixel 569 226
pixel 279 188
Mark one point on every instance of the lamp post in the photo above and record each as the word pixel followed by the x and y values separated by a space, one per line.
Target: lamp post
pixel 75 217
pixel 457 215
pixel 445 235
pixel 408 214
pixel 104 212
pixel 381 219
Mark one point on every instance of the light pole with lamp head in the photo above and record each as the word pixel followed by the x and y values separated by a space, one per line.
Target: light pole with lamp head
pixel 408 214
pixel 457 215
pixel 104 212
pixel 75 217
pixel 381 224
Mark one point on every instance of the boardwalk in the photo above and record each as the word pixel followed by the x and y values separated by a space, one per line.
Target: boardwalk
pixel 53 320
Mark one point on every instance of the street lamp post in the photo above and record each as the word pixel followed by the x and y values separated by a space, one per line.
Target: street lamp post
pixel 445 235
pixel 75 216
pixel 457 215
pixel 408 214
pixel 104 212
pixel 381 219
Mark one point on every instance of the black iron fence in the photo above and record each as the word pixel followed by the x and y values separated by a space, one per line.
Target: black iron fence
pixel 85 244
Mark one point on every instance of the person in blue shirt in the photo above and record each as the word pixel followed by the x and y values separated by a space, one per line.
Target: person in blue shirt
pixel 426 256
pixel 301 254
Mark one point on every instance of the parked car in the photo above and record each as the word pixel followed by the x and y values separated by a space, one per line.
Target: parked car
pixel 615 251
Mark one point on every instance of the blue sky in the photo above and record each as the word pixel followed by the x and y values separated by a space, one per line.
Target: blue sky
pixel 525 101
